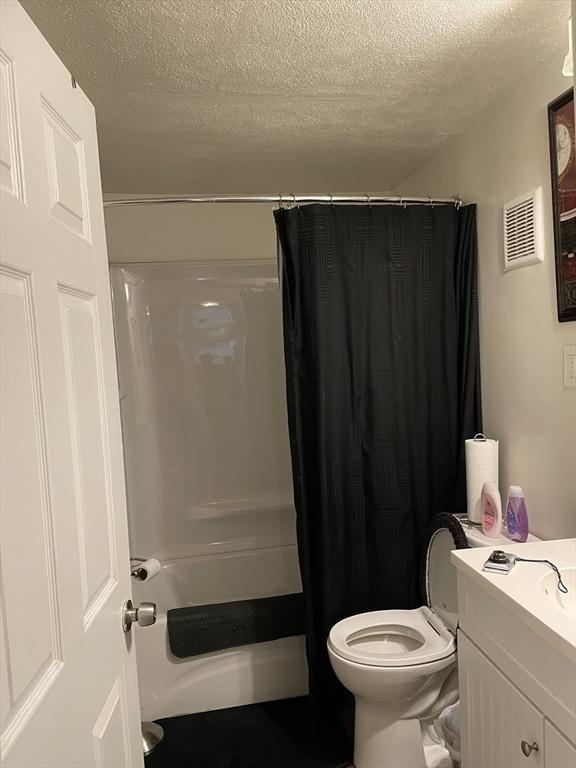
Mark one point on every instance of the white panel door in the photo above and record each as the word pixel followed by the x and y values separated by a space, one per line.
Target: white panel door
pixel 495 717
pixel 68 689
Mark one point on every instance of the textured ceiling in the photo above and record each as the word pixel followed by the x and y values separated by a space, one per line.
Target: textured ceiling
pixel 304 95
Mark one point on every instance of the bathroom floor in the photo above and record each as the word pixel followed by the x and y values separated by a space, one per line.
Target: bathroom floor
pixel 274 734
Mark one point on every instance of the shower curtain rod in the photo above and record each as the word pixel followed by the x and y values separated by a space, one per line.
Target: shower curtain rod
pixel 287 199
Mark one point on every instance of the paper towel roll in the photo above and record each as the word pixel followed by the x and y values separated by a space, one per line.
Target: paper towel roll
pixel 481 467
pixel 147 570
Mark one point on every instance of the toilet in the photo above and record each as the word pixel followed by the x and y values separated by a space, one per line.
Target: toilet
pixel 401 665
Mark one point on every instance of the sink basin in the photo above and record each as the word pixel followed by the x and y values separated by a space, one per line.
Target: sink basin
pixel 566 603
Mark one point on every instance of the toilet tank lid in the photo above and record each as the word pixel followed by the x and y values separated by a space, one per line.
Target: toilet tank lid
pixel 439 575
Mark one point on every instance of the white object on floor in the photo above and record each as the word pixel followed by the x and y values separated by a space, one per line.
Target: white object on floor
pixel 448 725
pixel 436 753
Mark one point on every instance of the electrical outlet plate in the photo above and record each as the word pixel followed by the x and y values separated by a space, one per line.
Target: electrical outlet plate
pixel 570 366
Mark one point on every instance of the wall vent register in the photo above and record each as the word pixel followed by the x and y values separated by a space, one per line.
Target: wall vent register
pixel 523 236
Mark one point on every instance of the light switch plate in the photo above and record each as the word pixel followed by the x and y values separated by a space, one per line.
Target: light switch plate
pixel 570 366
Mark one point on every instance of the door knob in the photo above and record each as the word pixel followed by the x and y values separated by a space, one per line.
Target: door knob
pixel 527 749
pixel 144 615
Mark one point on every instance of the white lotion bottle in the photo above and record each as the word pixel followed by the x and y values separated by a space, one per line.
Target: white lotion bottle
pixel 491 511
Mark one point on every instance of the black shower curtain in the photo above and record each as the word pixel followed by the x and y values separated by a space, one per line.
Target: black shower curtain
pixel 383 384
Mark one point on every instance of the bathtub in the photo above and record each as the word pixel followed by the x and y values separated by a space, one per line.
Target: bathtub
pixel 261 672
pixel 208 475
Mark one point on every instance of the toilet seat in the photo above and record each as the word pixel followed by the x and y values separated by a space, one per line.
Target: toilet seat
pixel 392 638
pixel 405 638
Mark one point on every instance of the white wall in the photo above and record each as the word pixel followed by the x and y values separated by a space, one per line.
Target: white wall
pixel 573 20
pixel 525 403
pixel 190 232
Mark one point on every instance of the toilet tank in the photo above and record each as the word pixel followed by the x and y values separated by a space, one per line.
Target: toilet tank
pixel 477 539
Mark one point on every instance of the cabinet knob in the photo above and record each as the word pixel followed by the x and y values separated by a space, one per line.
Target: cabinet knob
pixel 527 749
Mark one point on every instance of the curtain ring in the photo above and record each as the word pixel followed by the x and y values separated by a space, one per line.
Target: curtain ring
pixel 369 202
pixel 332 200
pixel 402 202
pixel 430 203
pixel 280 206
pixel 293 199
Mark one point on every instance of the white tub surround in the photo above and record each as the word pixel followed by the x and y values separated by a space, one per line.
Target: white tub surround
pixel 208 469
pixel 517 658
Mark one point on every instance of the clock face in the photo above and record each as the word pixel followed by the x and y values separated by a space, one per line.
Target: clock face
pixel 563 147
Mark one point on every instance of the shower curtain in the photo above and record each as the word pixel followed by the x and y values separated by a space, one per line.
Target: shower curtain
pixel 383 385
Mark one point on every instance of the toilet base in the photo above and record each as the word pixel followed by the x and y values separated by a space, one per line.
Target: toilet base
pixel 377 744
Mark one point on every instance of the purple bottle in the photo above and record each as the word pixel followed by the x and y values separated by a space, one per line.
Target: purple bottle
pixel 516 514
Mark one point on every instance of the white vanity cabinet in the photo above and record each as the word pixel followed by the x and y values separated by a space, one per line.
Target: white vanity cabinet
pixel 558 751
pixel 517 669
pixel 498 719
pixel 503 729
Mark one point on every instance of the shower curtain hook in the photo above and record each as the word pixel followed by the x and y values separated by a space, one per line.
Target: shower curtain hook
pixel 332 200
pixel 430 203
pixel 293 199
pixel 368 199
pixel 280 201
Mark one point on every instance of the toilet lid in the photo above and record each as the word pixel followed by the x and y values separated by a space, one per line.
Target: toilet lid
pixel 439 575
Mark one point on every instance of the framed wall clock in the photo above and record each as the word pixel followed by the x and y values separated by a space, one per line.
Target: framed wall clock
pixel 563 166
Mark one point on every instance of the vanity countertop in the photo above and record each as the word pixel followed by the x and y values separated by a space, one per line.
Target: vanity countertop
pixel 530 589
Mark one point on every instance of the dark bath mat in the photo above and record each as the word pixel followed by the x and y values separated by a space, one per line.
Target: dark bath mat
pixel 274 734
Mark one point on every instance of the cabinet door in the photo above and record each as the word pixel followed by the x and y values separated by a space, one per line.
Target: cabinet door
pixel 495 717
pixel 558 751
